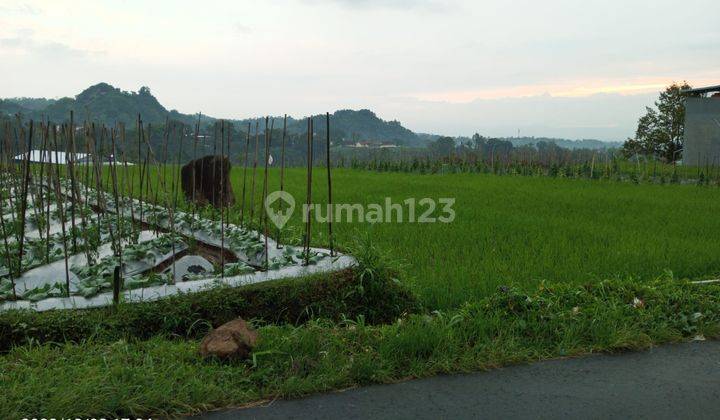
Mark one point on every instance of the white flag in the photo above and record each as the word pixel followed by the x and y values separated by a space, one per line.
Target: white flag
pixel 270 160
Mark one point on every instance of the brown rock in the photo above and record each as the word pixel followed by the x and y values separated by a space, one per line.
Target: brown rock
pixel 203 181
pixel 232 340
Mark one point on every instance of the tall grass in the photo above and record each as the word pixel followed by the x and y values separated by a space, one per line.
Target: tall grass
pixel 162 378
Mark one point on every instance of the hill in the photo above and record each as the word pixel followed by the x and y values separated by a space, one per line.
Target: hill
pixel 110 105
pixel 102 102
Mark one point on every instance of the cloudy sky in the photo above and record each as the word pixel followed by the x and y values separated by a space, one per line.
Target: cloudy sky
pixel 575 69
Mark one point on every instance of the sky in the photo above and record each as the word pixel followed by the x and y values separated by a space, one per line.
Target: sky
pixel 555 68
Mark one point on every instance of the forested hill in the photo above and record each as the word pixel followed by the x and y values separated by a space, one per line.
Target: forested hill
pixel 101 103
pixel 106 104
pixel 349 125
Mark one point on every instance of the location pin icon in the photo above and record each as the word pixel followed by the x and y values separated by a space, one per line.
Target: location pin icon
pixel 279 218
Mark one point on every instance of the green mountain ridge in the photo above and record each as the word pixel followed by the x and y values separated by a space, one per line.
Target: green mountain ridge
pixel 109 105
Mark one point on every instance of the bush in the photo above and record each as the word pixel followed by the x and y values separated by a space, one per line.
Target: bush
pixel 335 296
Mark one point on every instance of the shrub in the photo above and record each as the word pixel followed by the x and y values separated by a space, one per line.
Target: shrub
pixel 334 296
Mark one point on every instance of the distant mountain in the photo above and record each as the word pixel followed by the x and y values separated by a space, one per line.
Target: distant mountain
pixel 349 125
pixel 110 105
pixel 102 103
pixel 32 103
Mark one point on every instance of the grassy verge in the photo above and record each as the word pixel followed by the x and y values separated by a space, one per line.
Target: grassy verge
pixel 162 376
pixel 294 301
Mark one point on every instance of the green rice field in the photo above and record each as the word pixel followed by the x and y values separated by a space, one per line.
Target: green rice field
pixel 517 229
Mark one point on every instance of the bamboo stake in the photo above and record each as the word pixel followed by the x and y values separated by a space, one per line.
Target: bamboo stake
pixel 32 192
pixel 282 174
pixel 48 214
pixel 118 220
pixel 228 179
pixel 58 194
pixel 309 191
pixel 126 180
pixel 142 166
pixel 214 165
pixel 23 204
pixel 268 139
pixel 7 247
pixel 194 197
pixel 242 207
pixel 175 201
pixel 113 238
pixel 329 179
pixel 45 137
pixel 255 161
pixel 71 170
pixel 222 199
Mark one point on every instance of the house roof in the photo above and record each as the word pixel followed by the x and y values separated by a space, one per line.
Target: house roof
pixel 702 90
pixel 50 156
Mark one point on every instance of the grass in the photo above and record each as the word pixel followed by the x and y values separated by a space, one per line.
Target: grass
pixel 531 268
pixel 509 229
pixel 347 293
pixel 161 377
pixel 522 230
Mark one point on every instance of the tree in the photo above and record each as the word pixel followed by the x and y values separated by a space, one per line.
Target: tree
pixel 660 131
pixel 443 146
pixel 478 141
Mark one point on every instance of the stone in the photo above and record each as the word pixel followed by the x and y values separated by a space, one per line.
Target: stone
pixel 190 265
pixel 232 340
pixel 206 180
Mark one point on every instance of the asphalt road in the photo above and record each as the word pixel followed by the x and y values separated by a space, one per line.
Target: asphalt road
pixel 673 382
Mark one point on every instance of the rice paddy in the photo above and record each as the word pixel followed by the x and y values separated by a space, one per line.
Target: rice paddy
pixel 520 230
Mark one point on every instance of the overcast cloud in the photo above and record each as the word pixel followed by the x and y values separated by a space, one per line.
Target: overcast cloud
pixel 577 69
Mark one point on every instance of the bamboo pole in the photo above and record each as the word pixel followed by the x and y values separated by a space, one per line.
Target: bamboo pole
pixel 308 235
pixel 268 139
pixel 48 214
pixel 142 166
pixel 282 175
pixel 228 178
pixel 329 180
pixel 23 204
pixel 116 196
pixel 242 206
pixel 214 164
pixel 127 180
pixel 222 199
pixel 61 207
pixel 194 197
pixel 255 161
pixel 7 247
pixel 176 181
pixel 70 166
